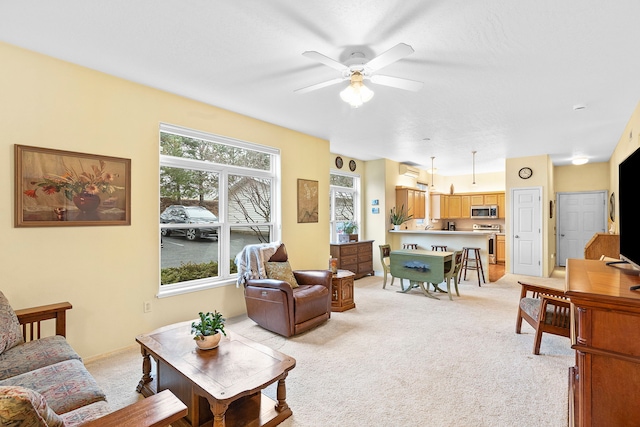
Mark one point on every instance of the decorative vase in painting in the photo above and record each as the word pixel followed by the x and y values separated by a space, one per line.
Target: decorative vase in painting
pixel 209 342
pixel 86 202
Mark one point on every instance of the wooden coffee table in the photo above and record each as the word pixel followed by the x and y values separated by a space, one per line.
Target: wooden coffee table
pixel 224 384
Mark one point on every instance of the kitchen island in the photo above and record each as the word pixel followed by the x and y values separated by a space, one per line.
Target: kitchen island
pixel 453 240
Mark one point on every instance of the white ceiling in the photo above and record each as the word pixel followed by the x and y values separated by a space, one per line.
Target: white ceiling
pixel 500 76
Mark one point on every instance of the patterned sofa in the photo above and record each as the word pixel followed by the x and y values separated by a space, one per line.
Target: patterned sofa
pixel 43 381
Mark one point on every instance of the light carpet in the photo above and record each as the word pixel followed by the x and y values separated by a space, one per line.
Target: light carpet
pixel 406 360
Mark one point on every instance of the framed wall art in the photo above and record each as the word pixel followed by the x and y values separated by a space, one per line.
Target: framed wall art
pixel 64 188
pixel 307 201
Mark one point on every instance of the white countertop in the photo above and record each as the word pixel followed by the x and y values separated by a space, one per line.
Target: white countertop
pixel 444 232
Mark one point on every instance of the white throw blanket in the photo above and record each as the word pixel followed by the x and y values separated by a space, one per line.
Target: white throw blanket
pixel 250 261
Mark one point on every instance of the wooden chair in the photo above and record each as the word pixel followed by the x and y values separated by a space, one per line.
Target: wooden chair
pixel 385 256
pixel 546 310
pixel 452 274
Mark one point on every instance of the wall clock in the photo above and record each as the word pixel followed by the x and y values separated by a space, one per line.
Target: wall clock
pixel 352 165
pixel 525 173
pixel 339 162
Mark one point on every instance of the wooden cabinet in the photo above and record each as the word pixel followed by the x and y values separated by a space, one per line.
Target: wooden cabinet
pixel 356 257
pixel 605 334
pixel 466 206
pixel 490 199
pixel 455 207
pixel 501 254
pixel 477 200
pixel 342 291
pixel 502 213
pixel 439 206
pixel 413 199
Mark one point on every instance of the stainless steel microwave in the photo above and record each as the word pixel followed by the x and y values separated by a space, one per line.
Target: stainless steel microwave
pixel 484 212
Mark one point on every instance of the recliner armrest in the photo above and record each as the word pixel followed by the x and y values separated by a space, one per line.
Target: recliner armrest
pixel 314 277
pixel 272 284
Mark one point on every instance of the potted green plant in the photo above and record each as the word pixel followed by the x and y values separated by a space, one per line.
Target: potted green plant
pixel 208 330
pixel 351 228
pixel 399 217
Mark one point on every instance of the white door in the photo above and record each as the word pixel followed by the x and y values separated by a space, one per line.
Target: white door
pixel 526 240
pixel 580 216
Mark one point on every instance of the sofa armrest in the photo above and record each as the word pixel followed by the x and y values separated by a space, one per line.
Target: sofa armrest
pixel 157 410
pixel 30 319
pixel 314 277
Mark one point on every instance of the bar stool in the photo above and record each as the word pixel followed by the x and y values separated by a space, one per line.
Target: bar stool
pixel 442 248
pixel 472 263
pixel 409 246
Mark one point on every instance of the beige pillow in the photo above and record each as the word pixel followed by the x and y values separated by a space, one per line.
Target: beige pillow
pixel 281 271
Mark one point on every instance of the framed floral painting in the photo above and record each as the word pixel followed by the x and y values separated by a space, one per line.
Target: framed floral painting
pixel 65 188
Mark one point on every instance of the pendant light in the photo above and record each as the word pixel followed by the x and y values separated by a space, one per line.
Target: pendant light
pixel 474 167
pixel 432 171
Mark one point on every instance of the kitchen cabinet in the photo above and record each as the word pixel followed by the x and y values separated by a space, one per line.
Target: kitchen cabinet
pixel 603 384
pixel 477 200
pixel 490 199
pixel 413 199
pixel 501 254
pixel 439 206
pixel 466 206
pixel 502 214
pixel 455 207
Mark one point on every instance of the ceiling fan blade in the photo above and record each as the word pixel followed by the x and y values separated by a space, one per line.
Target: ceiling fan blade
pixel 320 85
pixel 397 52
pixel 317 56
pixel 397 82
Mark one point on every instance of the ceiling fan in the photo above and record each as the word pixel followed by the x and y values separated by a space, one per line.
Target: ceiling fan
pixel 358 68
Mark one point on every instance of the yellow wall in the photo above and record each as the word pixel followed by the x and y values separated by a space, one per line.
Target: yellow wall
pixel 108 272
pixel 629 141
pixel 589 177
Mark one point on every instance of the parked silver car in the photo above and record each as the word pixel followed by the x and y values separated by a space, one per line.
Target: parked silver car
pixel 179 214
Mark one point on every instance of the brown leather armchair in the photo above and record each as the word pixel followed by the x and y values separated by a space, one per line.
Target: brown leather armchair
pixel 280 308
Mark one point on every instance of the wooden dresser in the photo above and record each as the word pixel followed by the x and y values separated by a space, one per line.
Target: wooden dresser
pixel 605 323
pixel 356 257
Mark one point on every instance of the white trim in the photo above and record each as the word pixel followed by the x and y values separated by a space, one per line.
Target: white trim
pixel 224 277
pixel 207 136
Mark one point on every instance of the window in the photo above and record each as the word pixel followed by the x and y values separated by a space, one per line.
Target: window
pixel 344 202
pixel 216 196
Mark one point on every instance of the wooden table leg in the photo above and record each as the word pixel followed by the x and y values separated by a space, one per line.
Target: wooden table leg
pixel 426 292
pixel 219 410
pixel 146 370
pixel 282 395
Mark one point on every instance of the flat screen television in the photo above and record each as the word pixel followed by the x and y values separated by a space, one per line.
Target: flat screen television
pixel 629 214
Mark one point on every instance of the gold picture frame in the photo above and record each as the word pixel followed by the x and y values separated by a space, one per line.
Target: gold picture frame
pixel 307 201
pixel 64 188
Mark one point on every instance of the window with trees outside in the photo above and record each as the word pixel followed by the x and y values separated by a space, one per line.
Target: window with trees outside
pixel 344 202
pixel 217 195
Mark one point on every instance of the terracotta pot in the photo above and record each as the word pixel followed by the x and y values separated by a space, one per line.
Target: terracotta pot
pixel 209 342
pixel 86 202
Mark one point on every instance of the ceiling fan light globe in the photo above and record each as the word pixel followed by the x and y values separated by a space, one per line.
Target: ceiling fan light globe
pixel 356 94
pixel 366 94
